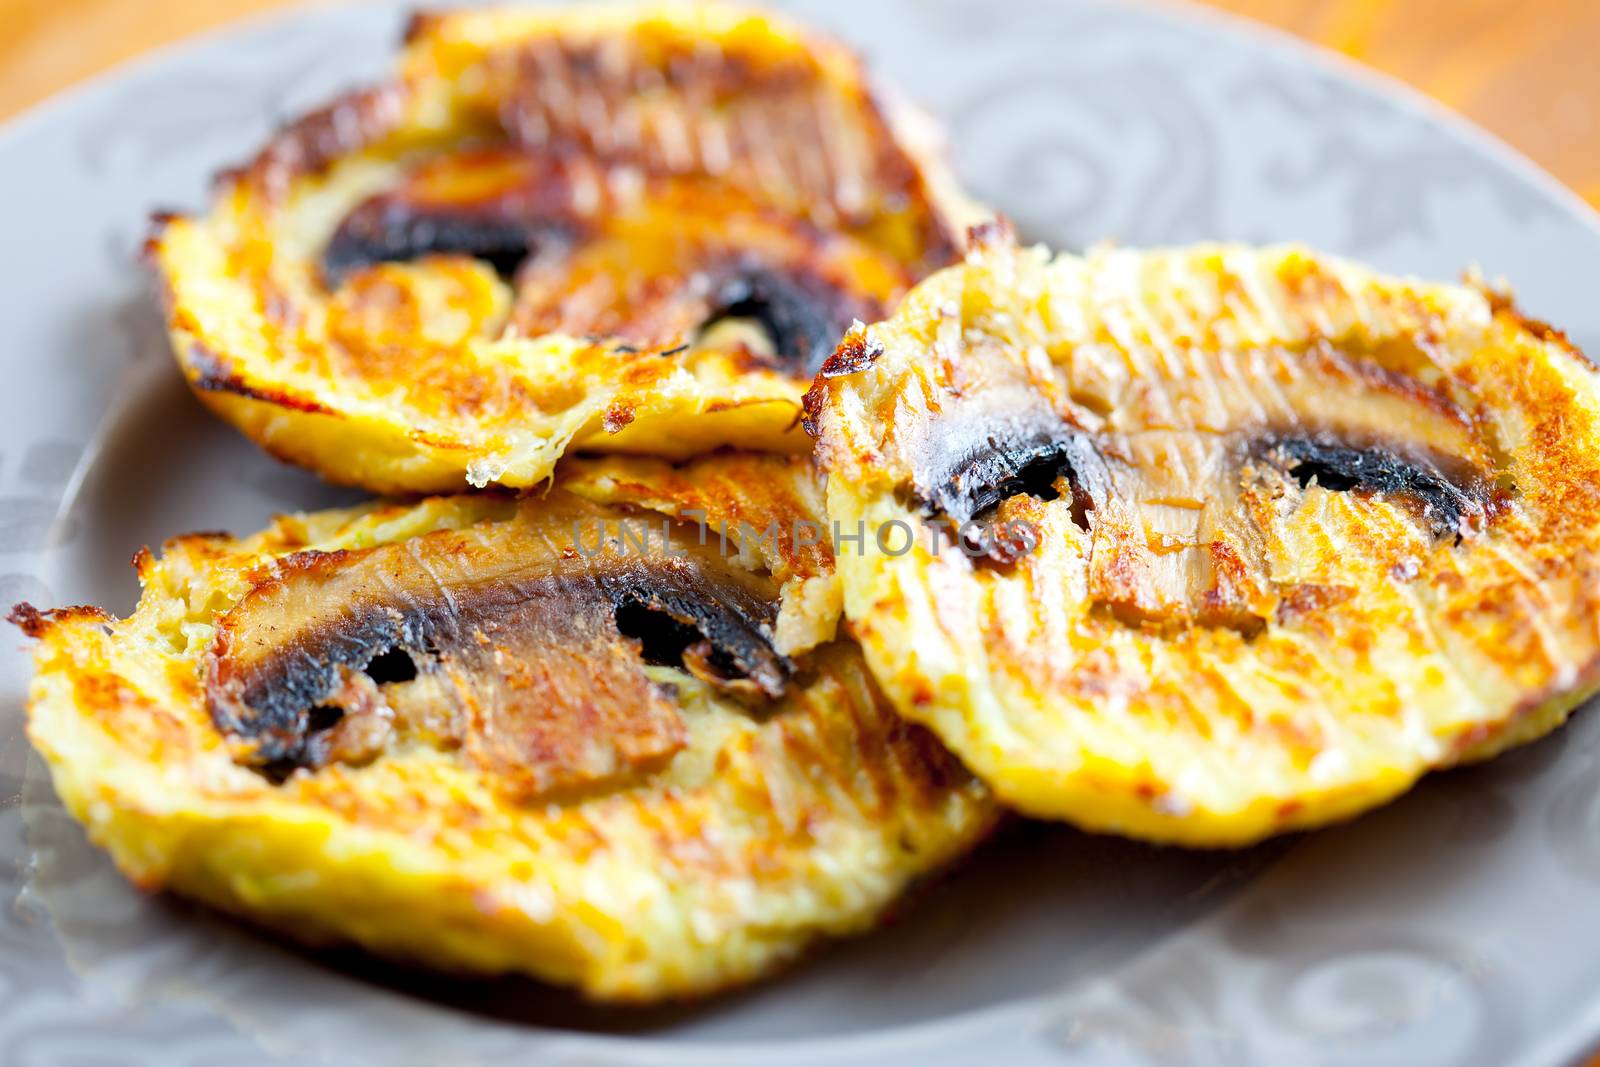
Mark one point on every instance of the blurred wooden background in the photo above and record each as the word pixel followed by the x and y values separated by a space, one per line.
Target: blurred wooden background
pixel 1526 70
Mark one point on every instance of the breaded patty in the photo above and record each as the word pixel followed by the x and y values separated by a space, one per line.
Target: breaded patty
pixel 1248 540
pixel 562 736
pixel 623 229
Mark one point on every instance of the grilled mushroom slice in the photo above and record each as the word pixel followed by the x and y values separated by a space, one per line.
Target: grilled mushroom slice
pixel 529 656
pixel 620 229
pixel 1292 533
pixel 503 736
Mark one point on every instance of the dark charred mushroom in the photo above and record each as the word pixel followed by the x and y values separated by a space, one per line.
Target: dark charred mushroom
pixel 493 638
pixel 982 453
pixel 681 621
pixel 802 316
pixel 379 232
pixel 493 205
pixel 1338 466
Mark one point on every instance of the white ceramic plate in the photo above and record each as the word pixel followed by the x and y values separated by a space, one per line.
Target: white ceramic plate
pixel 1457 926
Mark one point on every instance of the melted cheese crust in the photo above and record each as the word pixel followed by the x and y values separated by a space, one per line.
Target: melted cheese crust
pixel 665 143
pixel 1218 649
pixel 766 831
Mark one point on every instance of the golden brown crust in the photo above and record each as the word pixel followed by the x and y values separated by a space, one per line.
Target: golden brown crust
pixel 1300 532
pixel 708 847
pixel 38 623
pixel 210 373
pixel 314 142
pixel 620 229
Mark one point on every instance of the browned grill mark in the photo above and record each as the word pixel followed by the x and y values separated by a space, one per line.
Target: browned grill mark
pixel 764 124
pixel 210 373
pixel 317 140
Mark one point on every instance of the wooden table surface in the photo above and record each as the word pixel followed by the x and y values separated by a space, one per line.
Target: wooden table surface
pixel 1526 70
